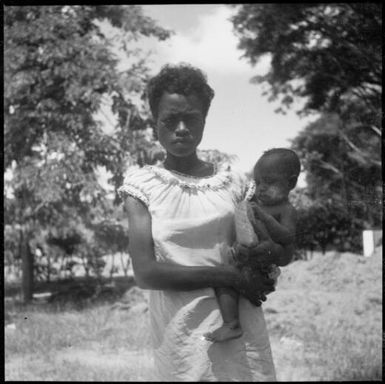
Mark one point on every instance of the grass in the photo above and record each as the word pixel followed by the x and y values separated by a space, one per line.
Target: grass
pixel 325 323
pixel 97 343
pixel 331 307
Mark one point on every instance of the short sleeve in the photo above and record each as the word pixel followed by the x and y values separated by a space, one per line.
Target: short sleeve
pixel 135 184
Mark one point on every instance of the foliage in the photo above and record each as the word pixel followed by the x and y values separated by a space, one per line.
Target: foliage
pixel 112 236
pixel 327 53
pixel 343 192
pixel 333 171
pixel 327 223
pixel 59 69
pixel 56 78
pixel 216 157
pixel 11 244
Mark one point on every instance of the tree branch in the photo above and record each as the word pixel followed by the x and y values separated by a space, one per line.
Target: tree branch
pixel 376 129
pixel 366 158
pixel 331 167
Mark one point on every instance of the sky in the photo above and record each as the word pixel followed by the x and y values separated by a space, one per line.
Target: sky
pixel 241 121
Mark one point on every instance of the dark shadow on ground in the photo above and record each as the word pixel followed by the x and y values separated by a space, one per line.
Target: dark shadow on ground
pixel 75 293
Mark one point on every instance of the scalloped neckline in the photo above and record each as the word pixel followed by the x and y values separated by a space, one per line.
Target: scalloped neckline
pixel 177 173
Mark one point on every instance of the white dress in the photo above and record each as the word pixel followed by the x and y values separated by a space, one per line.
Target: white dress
pixel 193 225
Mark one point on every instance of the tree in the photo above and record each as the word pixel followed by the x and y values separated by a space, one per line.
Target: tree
pixel 334 171
pixel 329 55
pixel 58 70
pixel 112 236
pixel 324 223
pixel 324 52
pixel 217 157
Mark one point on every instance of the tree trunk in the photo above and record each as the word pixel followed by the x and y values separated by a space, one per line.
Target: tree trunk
pixel 323 245
pixel 85 266
pixel 27 269
pixel 124 265
pixel 48 267
pixel 112 266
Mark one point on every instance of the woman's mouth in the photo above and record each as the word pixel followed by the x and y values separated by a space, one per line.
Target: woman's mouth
pixel 182 141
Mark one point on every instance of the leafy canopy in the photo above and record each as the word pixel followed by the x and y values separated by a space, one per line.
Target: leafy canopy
pixel 325 53
pixel 59 69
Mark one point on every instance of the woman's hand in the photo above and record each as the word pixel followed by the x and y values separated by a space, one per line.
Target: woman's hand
pixel 253 283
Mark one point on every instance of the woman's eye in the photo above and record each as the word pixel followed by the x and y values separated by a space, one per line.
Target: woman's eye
pixel 191 119
pixel 168 122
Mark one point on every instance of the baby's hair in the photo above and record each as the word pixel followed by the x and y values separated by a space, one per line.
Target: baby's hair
pixel 183 79
pixel 288 160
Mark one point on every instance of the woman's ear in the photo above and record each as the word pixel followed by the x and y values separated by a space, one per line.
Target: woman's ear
pixel 151 122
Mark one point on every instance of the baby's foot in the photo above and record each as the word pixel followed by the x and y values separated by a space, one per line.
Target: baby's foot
pixel 227 331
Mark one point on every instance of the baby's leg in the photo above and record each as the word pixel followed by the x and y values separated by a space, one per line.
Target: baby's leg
pixel 228 304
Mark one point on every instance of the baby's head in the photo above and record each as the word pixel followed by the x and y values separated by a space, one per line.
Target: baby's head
pixel 275 175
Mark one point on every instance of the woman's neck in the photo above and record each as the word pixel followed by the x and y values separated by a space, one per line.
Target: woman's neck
pixel 189 165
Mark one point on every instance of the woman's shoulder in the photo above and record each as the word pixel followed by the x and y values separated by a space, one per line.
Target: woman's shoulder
pixel 136 175
pixel 137 182
pixel 137 172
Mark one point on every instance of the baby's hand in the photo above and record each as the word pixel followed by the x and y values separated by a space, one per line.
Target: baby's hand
pixel 257 210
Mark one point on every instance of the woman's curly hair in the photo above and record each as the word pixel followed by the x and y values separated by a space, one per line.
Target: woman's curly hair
pixel 183 79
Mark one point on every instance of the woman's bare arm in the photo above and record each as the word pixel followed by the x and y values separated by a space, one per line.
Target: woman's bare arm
pixel 151 274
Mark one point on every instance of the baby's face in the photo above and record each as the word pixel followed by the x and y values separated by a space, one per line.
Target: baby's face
pixel 272 186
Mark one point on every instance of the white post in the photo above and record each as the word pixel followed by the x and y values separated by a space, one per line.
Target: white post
pixel 368 242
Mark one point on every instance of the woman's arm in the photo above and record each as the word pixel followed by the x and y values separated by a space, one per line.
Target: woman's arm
pixel 151 274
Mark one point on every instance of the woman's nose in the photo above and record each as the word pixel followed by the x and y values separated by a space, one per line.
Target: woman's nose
pixel 181 128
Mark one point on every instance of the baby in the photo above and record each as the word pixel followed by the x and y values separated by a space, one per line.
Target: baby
pixel 270 214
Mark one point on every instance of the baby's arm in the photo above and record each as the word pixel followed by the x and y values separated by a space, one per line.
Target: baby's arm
pixel 281 232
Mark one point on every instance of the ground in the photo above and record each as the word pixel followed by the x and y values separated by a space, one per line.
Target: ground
pixel 324 320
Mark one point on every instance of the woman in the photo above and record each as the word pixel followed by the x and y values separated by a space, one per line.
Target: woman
pixel 181 228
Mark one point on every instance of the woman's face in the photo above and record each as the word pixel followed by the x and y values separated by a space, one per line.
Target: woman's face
pixel 180 123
